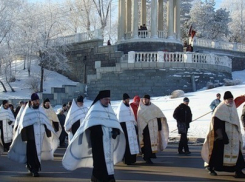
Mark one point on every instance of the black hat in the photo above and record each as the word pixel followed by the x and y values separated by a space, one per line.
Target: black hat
pixel 186 99
pixel 102 94
pixel 34 96
pixel 21 102
pixel 125 96
pixel 147 96
pixel 4 102
pixel 228 95
pixel 46 100
pixel 80 98
pixel 218 95
pixel 64 105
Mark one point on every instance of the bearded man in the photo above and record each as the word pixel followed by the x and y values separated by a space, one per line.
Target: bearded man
pixel 153 129
pixel 222 149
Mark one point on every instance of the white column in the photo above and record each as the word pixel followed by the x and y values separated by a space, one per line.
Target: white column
pixel 170 19
pixel 154 19
pixel 135 18
pixel 160 15
pixel 143 12
pixel 121 22
pixel 178 31
pixel 129 10
pixel 123 17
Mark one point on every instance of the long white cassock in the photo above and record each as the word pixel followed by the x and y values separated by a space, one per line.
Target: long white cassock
pixel 125 114
pixel 74 114
pixel 6 115
pixel 53 118
pixel 147 115
pixel 45 146
pixel 79 152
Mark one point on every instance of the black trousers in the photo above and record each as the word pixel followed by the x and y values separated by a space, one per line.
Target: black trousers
pixel 100 170
pixel 183 143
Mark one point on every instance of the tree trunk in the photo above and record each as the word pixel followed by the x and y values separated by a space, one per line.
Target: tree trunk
pixel 10 87
pixel 41 82
pixel 5 90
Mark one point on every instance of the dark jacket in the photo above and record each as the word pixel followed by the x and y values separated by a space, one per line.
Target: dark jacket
pixel 183 114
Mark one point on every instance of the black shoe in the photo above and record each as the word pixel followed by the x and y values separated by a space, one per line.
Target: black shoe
pixel 188 152
pixel 212 173
pixel 239 174
pixel 35 174
pixel 148 161
pixel 181 152
pixel 153 156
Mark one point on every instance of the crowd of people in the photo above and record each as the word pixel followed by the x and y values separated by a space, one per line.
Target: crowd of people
pixel 98 137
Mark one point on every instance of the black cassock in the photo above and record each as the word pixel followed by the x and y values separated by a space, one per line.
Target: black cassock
pixel 5 145
pixel 27 134
pixel 128 157
pixel 99 170
pixel 216 159
pixel 146 149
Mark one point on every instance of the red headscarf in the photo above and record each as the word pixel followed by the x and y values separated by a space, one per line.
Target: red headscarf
pixel 134 105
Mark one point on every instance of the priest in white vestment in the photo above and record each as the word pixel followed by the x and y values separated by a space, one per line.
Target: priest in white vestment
pixel 99 142
pixel 54 120
pixel 126 117
pixel 222 148
pixel 152 128
pixel 75 117
pixel 35 138
pixel 6 125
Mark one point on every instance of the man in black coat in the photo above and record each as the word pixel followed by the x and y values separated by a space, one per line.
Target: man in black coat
pixel 183 116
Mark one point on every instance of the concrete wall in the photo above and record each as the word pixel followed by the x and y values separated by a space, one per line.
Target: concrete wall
pixel 156 79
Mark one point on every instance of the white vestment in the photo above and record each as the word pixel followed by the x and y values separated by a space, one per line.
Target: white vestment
pixel 74 114
pixel 53 118
pixel 45 145
pixel 6 116
pixel 17 120
pixel 228 115
pixel 125 114
pixel 79 152
pixel 147 115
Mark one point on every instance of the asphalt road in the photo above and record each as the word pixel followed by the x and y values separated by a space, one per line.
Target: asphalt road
pixel 169 166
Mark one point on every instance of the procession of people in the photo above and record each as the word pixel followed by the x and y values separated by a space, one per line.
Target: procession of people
pixel 97 137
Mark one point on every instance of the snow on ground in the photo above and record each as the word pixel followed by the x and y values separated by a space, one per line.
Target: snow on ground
pixel 22 83
pixel 199 101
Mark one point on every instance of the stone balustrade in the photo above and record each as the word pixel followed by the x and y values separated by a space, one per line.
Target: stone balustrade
pixel 79 37
pixel 217 44
pixel 179 57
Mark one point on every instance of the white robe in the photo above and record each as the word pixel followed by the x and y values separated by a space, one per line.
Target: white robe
pixel 79 152
pixel 228 115
pixel 53 118
pixel 74 114
pixel 45 145
pixel 125 114
pixel 147 115
pixel 6 115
